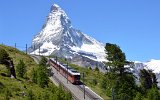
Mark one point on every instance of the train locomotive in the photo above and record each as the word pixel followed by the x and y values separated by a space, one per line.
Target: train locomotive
pixel 66 71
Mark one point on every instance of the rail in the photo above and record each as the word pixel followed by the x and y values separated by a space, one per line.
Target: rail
pixel 36 58
pixel 73 96
pixel 87 93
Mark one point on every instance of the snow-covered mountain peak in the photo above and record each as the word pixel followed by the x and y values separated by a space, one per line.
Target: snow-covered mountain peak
pixel 58 37
pixel 57 12
pixel 56 22
pixel 56 8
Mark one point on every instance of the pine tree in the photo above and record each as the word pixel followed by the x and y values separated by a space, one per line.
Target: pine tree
pixel 42 76
pixel 138 96
pixel 154 79
pixel 103 83
pixel 43 61
pixel 34 76
pixel 116 58
pixel 147 79
pixel 153 94
pixel 4 57
pixel 119 77
pixel 21 69
pixel 97 69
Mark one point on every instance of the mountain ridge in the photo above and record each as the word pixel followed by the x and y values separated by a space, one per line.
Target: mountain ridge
pixel 153 65
pixel 58 37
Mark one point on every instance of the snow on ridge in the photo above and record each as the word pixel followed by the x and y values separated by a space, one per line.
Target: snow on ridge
pixel 153 65
pixel 94 49
pixel 137 62
pixel 56 5
pixel 93 40
pixel 46 49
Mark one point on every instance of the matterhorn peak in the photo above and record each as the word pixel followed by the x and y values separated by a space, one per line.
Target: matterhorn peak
pixel 57 13
pixel 59 38
pixel 55 8
pixel 55 5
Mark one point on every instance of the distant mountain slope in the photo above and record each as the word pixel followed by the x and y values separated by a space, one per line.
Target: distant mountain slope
pixel 153 65
pixel 58 37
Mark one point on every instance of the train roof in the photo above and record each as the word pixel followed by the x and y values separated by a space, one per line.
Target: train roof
pixel 64 66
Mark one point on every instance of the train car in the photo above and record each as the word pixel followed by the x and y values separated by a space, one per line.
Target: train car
pixel 54 63
pixel 65 70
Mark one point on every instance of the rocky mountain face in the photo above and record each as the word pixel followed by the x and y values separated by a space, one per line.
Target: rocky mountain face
pixel 59 38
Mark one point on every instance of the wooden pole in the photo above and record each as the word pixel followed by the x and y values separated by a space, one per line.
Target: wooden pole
pixel 26 48
pixel 39 50
pixel 83 84
pixel 34 49
pixel 15 46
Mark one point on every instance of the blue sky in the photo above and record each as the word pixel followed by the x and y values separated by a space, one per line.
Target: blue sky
pixel 134 25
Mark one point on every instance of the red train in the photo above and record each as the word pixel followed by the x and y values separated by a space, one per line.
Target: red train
pixel 65 70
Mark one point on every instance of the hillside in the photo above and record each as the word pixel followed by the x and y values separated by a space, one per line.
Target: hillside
pixel 24 88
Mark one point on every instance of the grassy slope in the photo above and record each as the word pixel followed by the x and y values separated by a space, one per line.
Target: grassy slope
pixel 90 77
pixel 17 55
pixel 19 87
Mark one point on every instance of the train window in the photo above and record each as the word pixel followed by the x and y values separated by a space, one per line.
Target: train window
pixel 73 70
pixel 69 68
pixel 64 65
pixel 77 77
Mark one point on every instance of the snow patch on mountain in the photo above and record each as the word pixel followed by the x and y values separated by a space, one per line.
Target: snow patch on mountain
pixel 95 49
pixel 46 49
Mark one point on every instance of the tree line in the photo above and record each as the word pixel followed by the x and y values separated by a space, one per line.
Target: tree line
pixel 120 83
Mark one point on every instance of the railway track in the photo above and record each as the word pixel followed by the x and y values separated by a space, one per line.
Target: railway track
pixel 78 86
pixel 87 93
pixel 60 83
pixel 36 58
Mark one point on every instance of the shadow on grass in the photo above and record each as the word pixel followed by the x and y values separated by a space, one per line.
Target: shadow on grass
pixel 4 75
